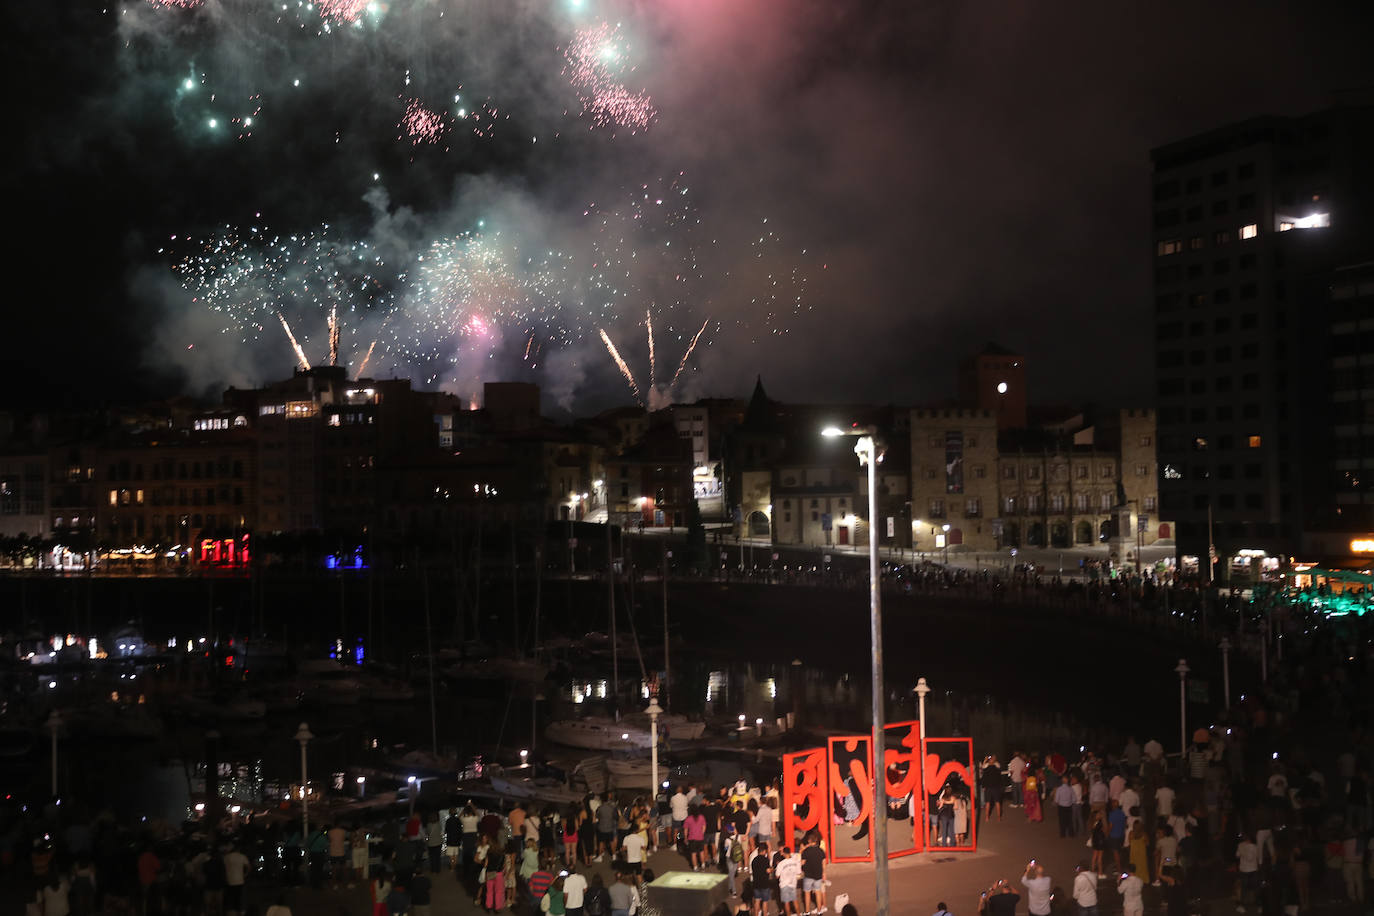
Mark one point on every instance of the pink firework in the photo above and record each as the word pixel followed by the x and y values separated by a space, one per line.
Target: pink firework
pixel 341 10
pixel 421 125
pixel 595 61
pixel 477 325
pixel 176 4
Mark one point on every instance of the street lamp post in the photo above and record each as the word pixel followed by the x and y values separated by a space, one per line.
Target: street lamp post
pixel 654 712
pixel 922 688
pixel 1226 671
pixel 1182 670
pixel 870 452
pixel 303 735
pixel 413 786
pixel 945 527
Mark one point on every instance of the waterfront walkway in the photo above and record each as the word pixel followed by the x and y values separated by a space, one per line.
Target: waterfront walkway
pixel 918 882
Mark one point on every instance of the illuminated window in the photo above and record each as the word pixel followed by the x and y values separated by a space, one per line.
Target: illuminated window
pixel 1200 444
pixel 1255 441
pixel 114 497
pixel 138 497
pixel 1315 221
pixel 1168 246
pixel 1149 504
pixel 1249 231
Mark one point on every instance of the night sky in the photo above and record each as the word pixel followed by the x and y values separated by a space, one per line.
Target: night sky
pixel 849 196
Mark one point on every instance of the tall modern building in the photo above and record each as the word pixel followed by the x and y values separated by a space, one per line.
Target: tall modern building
pixel 1262 236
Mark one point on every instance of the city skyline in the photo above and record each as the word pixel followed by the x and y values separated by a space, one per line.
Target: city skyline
pixel 729 112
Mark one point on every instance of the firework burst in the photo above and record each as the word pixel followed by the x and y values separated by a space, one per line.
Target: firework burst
pixel 597 60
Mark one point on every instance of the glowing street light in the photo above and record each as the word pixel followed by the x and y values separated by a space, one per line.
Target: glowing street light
pixel 870 452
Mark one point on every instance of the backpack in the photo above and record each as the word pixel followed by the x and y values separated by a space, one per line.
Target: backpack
pixel 737 852
pixel 595 901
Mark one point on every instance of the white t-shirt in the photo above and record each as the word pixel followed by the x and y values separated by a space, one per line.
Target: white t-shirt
pixel 678 805
pixel 633 844
pixel 468 822
pixel 1247 857
pixel 765 819
pixel 1017 769
pixel 1130 888
pixel 1167 847
pixel 235 868
pixel 1085 888
pixel 1130 798
pixel 1038 892
pixel 574 886
pixel 788 871
pixel 1164 801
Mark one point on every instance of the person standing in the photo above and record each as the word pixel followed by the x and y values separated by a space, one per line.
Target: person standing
pixel 994 787
pixel 434 845
pixel 453 838
pixel 678 808
pixel 634 846
pixel 1039 889
pixel 813 874
pixel 574 891
pixel 761 873
pixel 1016 770
pixel 1131 888
pixel 1247 872
pixel 338 849
pixel 236 868
pixel 1116 834
pixel 734 855
pixel 788 872
pixel 361 853
pixel 607 817
pixel 494 888
pixel 1063 803
pixel 1085 890
pixel 467 823
pixel 622 895
pixel 1002 900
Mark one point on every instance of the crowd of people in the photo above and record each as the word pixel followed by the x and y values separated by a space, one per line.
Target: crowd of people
pixel 1271 807
pixel 527 857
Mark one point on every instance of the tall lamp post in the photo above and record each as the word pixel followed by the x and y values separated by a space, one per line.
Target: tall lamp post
pixel 1226 671
pixel 945 528
pixel 922 688
pixel 654 712
pixel 303 735
pixel 1182 670
pixel 870 452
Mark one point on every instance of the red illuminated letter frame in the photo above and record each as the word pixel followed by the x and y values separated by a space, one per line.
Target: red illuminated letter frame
pixel 804 785
pixel 851 788
pixel 946 759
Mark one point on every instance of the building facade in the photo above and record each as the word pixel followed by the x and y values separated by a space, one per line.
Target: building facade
pixel 1251 223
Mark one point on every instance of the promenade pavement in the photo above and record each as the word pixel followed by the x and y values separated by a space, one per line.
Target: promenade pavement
pixel 918 882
